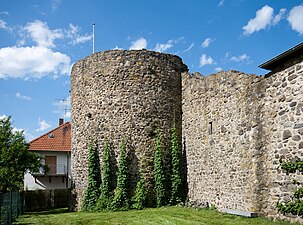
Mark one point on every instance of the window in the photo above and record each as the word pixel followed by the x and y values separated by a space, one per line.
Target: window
pixel 210 127
pixel 51 162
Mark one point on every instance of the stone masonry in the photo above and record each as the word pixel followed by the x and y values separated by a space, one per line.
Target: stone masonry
pixel 126 95
pixel 235 127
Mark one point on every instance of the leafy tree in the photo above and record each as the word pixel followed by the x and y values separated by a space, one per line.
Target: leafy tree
pixel 159 173
pixel 105 189
pixel 140 197
pixel 295 206
pixel 15 159
pixel 121 197
pixel 176 181
pixel 92 191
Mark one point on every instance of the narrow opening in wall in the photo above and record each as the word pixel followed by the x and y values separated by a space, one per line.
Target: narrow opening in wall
pixel 210 127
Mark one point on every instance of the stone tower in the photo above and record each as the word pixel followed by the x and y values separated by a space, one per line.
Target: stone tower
pixel 126 95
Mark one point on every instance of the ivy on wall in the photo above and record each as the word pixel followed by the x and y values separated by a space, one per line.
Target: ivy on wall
pixel 99 194
pixel 176 180
pixel 121 197
pixel 159 177
pixel 295 206
pixel 92 192
pixel 105 198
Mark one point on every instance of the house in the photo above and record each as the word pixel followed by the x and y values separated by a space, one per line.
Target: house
pixel 55 149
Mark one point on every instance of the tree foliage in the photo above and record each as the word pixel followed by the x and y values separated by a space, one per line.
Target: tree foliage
pixel 92 191
pixel 159 177
pixel 121 197
pixel 295 206
pixel 105 189
pixel 15 159
pixel 176 181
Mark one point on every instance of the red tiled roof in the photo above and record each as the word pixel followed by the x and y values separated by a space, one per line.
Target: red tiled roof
pixel 58 139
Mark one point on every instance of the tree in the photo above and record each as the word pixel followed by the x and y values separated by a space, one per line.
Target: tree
pixel 15 159
pixel 105 189
pixel 176 180
pixel 121 198
pixel 92 191
pixel 159 173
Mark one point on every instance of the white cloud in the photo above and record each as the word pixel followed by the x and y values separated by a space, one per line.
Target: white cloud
pixel 263 19
pixel 117 48
pixel 163 47
pixel 241 58
pixel 32 62
pixel 55 4
pixel 218 69
pixel 4 13
pixel 80 39
pixel 206 42
pixel 279 16
pixel 206 60
pixel 43 125
pixel 221 3
pixel 140 43
pixel 23 97
pixel 2 117
pixel 295 19
pixel 3 24
pixel 189 48
pixel 62 107
pixel 76 37
pixel 42 35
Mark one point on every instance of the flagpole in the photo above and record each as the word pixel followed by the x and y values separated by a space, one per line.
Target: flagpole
pixel 93 38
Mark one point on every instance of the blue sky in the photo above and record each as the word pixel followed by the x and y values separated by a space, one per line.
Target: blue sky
pixel 41 40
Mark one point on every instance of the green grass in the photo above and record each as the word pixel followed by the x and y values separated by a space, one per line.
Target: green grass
pixel 167 216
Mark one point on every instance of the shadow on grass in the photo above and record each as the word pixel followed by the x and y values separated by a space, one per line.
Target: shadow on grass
pixel 48 212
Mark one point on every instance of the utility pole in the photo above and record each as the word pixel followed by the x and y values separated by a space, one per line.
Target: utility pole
pixel 94 38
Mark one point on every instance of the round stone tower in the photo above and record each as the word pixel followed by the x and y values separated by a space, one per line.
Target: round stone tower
pixel 128 95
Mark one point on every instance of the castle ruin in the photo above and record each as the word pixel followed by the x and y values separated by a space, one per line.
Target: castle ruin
pixel 234 127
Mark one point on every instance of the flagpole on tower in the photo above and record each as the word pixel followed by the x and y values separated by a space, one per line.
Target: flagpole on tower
pixel 93 38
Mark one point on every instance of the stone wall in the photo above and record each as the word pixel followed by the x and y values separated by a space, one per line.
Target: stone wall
pixel 126 95
pixel 284 117
pixel 236 127
pixel 223 135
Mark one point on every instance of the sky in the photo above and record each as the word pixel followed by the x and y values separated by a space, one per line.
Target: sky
pixel 41 40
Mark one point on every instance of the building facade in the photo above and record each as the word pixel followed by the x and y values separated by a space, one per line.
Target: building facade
pixel 55 150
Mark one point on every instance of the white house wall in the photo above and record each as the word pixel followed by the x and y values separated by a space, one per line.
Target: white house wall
pixel 53 182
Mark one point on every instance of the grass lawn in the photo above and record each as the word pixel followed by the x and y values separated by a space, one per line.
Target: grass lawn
pixel 167 215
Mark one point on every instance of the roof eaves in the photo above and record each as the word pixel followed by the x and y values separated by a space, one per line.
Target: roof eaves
pixel 270 64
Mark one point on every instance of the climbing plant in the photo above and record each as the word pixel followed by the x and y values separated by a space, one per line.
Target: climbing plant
pixel 105 189
pixel 140 198
pixel 295 206
pixel 92 191
pixel 159 177
pixel 176 181
pixel 121 197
